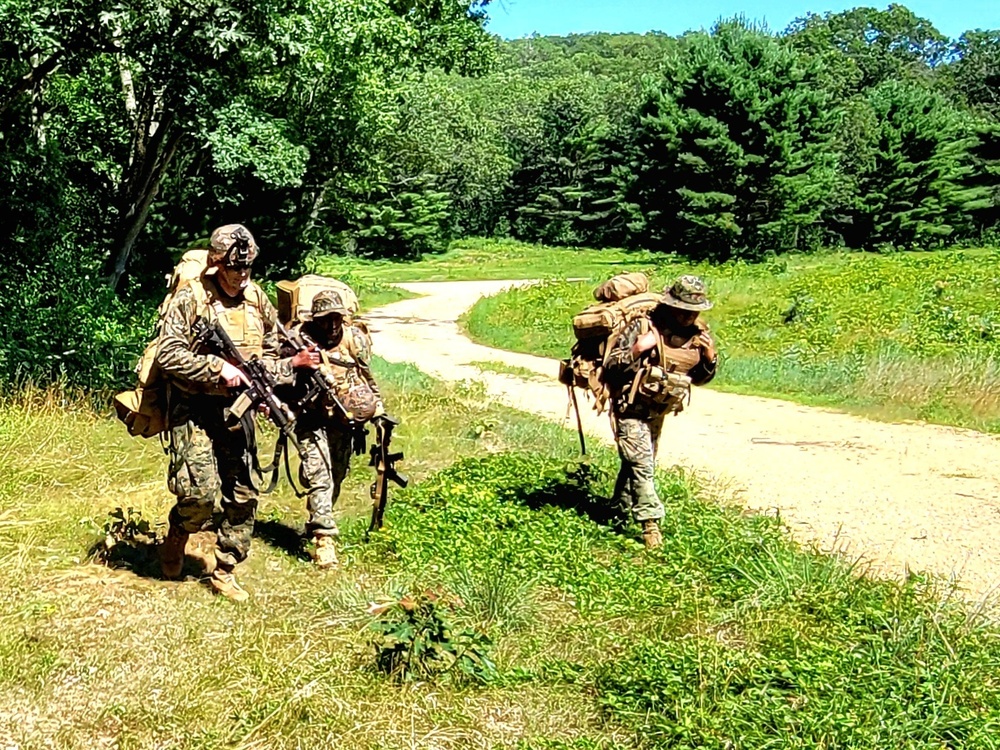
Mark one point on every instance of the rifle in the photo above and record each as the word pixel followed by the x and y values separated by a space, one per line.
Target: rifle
pixel 323 387
pixel 261 388
pixel 385 468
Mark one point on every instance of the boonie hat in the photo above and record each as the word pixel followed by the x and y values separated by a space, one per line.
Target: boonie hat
pixel 687 293
pixel 327 302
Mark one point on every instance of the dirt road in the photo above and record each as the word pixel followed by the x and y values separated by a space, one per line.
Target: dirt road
pixel 902 496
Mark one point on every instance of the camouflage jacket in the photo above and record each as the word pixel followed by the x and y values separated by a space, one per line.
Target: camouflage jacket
pixel 621 367
pixel 249 320
pixel 354 347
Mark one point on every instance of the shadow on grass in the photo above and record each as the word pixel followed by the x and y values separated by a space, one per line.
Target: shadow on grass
pixel 282 537
pixel 575 490
pixel 140 554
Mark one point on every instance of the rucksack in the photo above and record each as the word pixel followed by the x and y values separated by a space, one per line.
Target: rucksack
pixel 295 297
pixel 143 409
pixel 622 299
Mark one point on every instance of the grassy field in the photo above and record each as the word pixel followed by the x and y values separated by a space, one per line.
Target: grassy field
pixel 565 633
pixel 905 336
pixel 488 260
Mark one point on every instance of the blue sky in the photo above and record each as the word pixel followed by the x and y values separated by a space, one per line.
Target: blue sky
pixel 516 18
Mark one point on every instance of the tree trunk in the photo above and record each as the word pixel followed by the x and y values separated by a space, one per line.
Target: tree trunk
pixel 139 189
pixel 30 80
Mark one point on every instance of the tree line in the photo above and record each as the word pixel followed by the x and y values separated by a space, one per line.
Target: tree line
pixel 865 129
pixel 388 129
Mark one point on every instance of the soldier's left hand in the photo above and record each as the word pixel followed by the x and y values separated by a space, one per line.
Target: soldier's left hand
pixel 704 342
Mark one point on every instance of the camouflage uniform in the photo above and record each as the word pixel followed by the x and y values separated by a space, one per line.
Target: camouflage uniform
pixel 209 462
pixel 638 421
pixel 325 437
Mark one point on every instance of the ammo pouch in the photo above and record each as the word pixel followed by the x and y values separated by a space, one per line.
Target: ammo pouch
pixel 669 391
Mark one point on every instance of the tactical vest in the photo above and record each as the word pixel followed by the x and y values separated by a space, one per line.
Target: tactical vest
pixel 665 387
pixel 244 320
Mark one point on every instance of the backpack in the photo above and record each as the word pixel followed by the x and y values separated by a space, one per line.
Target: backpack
pixel 143 409
pixel 621 300
pixel 295 297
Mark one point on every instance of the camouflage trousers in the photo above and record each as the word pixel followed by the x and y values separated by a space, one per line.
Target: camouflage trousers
pixel 634 491
pixel 211 464
pixel 325 460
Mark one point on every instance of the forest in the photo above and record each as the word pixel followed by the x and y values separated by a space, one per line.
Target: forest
pixel 389 130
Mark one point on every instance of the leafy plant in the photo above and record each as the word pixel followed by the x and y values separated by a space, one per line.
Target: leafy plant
pixel 127 538
pixel 415 638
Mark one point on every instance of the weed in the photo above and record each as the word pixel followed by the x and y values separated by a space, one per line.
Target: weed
pixel 496 597
pixel 415 638
pixel 504 369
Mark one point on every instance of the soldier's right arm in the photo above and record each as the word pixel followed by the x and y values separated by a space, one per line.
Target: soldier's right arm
pixel 175 355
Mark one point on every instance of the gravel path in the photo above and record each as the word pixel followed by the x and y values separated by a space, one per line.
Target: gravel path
pixel 901 496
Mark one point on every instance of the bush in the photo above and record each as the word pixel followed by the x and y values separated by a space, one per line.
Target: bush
pixel 415 638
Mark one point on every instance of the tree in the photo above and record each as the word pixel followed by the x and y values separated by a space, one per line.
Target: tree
pixel 863 47
pixel 731 152
pixel 912 187
pixel 973 77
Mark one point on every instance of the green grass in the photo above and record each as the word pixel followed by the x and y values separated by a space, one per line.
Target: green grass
pixel 502 368
pixel 729 637
pixel 905 336
pixel 487 260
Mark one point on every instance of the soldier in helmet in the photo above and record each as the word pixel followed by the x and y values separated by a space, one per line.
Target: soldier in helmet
pixel 327 426
pixel 206 458
pixel 651 367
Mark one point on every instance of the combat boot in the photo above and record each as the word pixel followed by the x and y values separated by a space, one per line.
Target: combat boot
pixel 651 535
pixel 172 552
pixel 324 553
pixel 224 583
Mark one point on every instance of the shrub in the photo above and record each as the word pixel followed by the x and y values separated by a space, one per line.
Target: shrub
pixel 415 638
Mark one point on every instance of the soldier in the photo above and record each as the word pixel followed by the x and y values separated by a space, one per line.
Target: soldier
pixel 206 457
pixel 326 431
pixel 650 368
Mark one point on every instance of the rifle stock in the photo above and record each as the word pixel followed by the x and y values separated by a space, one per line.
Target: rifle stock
pixel 384 463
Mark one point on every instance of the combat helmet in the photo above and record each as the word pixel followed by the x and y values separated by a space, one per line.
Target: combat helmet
pixel 232 245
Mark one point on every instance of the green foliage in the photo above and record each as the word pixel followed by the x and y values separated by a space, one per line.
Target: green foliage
pixel 406 222
pixel 910 187
pixel 974 77
pixel 415 638
pixel 728 637
pixel 867 46
pixel 496 597
pixel 731 150
pixel 390 129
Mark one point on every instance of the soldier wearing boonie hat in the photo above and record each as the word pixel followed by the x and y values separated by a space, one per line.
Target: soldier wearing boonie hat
pixel 672 342
pixel 326 440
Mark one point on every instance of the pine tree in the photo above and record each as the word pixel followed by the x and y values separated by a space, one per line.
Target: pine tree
pixel 914 190
pixel 732 150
